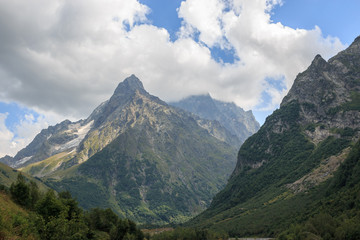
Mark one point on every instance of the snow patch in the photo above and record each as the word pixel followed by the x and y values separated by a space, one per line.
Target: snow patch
pixel 80 131
pixel 21 161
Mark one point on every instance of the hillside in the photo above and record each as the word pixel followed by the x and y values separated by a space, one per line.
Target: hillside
pixel 9 175
pixel 26 213
pixel 287 172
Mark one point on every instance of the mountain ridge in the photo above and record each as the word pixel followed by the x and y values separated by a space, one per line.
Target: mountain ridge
pixel 286 171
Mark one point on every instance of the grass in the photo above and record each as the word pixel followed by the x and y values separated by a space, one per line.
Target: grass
pixel 49 165
pixel 14 221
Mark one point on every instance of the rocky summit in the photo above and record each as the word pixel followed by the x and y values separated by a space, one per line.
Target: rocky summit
pixel 239 122
pixel 302 166
pixel 146 160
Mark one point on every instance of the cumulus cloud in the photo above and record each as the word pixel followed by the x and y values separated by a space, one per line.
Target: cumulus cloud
pixel 265 49
pixel 206 16
pixel 6 136
pixel 64 57
pixel 13 141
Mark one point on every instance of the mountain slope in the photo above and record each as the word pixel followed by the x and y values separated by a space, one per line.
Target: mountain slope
pixel 284 169
pixel 143 158
pixel 235 119
pixel 9 175
pixel 63 137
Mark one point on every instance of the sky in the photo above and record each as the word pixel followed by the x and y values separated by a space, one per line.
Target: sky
pixel 60 59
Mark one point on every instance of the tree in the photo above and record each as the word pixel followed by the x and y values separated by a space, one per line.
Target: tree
pixel 20 191
pixel 49 206
pixel 34 194
pixel 73 210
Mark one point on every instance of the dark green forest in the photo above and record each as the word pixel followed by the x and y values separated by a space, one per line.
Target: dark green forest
pixel 51 215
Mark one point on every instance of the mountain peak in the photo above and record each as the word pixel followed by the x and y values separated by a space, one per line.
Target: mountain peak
pixel 318 60
pixel 130 83
pixel 133 82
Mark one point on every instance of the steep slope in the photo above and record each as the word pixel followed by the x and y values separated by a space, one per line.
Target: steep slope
pixel 9 175
pixel 241 123
pixel 12 220
pixel 283 170
pixel 143 158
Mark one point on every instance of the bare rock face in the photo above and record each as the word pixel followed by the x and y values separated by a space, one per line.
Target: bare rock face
pixel 329 91
pixel 323 102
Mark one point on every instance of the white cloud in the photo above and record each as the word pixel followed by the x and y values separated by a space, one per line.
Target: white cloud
pixel 265 49
pixel 205 15
pixel 13 141
pixel 64 57
pixel 6 137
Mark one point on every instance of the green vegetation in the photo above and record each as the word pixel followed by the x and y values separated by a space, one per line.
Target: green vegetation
pixel 26 213
pixel 190 234
pixel 9 175
pixel 48 165
pixel 167 179
pixel 337 213
pixel 257 200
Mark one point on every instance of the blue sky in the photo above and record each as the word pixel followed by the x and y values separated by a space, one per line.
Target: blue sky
pixel 61 59
pixel 336 18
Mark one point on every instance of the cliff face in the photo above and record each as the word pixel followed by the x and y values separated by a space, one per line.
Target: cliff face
pixel 300 147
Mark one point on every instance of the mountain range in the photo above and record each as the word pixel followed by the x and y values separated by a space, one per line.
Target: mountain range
pixel 136 154
pixel 297 177
pixel 302 166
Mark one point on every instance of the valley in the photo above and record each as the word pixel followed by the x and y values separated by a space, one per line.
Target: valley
pixel 199 168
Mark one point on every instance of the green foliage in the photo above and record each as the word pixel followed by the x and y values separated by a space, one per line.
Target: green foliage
pixel 349 172
pixel 153 180
pixel 324 226
pixel 52 216
pixel 87 192
pixel 282 154
pixel 190 234
pixel 20 191
pixel 257 201
pixel 50 206
pixel 337 214
pixel 105 220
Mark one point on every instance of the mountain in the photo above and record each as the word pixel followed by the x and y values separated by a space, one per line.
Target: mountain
pixel 304 161
pixel 63 137
pixel 239 122
pixel 143 158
